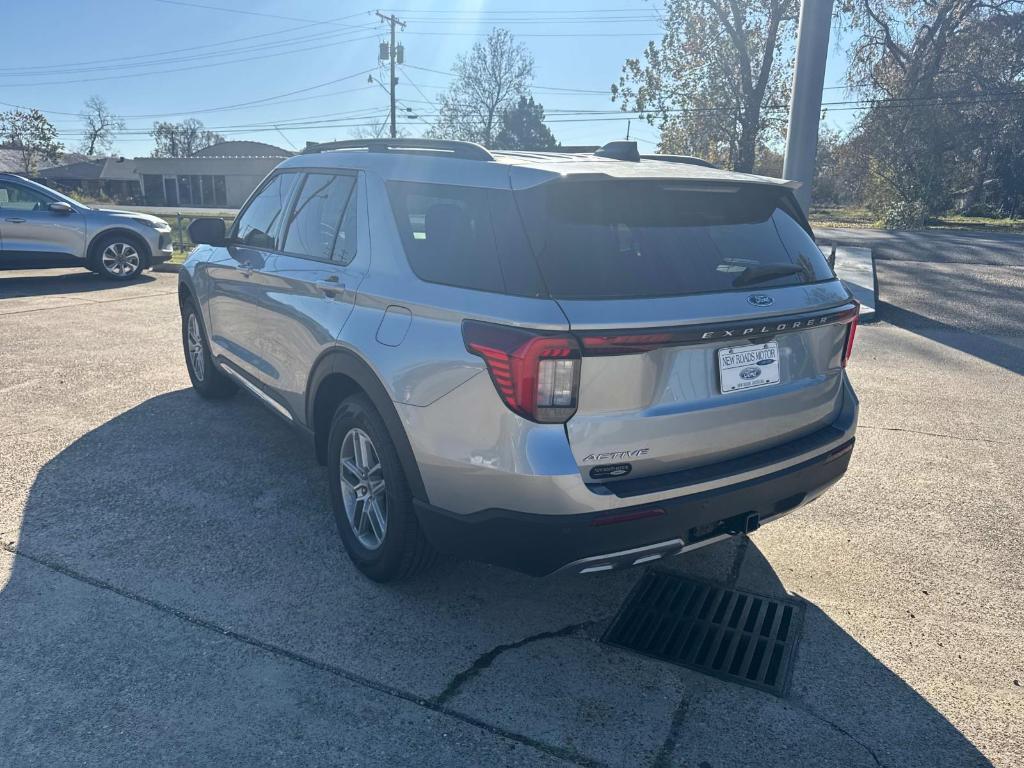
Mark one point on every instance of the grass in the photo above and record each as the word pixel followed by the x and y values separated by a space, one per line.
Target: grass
pixel 825 217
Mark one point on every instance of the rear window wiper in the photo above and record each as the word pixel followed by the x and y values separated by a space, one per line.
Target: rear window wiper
pixel 765 272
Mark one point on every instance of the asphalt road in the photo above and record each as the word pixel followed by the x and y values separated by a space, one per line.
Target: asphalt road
pixel 172 591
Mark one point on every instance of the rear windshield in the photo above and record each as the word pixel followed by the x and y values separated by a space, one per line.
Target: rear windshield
pixel 602 239
pixel 624 239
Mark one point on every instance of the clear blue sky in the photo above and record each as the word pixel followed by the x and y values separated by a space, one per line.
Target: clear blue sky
pixel 301 70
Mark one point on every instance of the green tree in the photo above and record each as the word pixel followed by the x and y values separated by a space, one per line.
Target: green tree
pixel 100 125
pixel 488 81
pixel 32 135
pixel 182 139
pixel 715 82
pixel 522 127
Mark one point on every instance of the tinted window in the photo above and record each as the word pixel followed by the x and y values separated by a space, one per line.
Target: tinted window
pixel 447 234
pixel 624 239
pixel 18 198
pixel 260 223
pixel 320 224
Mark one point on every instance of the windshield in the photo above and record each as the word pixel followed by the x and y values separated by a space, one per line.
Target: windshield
pixel 629 239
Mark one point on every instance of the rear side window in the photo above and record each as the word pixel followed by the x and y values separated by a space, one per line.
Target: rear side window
pixel 447 234
pixel 260 223
pixel 625 239
pixel 320 224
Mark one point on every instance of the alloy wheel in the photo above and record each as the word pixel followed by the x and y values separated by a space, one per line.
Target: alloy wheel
pixel 195 347
pixel 363 489
pixel 120 259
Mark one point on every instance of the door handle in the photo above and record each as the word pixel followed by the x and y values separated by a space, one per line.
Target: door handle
pixel 245 271
pixel 330 285
pixel 14 220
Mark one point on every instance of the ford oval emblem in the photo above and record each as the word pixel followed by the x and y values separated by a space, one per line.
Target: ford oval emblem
pixel 760 300
pixel 750 373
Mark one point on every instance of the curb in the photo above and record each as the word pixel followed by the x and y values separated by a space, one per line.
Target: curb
pixel 166 266
pixel 856 268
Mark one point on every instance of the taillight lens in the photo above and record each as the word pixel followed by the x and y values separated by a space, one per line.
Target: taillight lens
pixel 537 374
pixel 851 331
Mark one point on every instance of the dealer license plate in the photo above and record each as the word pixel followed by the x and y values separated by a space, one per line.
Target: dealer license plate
pixel 748 366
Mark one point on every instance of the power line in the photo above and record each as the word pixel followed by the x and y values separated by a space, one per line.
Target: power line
pixel 240 105
pixel 185 69
pixel 159 54
pixel 121 67
pixel 242 11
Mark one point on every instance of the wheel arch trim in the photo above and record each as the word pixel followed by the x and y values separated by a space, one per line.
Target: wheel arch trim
pixel 349 364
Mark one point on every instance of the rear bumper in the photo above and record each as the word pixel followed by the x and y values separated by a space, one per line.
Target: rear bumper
pixel 539 544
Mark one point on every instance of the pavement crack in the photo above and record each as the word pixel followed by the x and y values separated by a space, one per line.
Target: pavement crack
pixel 939 434
pixel 839 729
pixel 485 660
pixel 551 750
pixel 663 758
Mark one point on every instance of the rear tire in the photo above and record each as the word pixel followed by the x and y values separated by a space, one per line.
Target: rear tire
pixel 370 496
pixel 206 377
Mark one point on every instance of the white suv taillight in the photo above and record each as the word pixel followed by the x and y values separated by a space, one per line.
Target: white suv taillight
pixel 537 374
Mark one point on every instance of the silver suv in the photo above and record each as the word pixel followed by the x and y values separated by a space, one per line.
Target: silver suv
pixel 40 227
pixel 543 361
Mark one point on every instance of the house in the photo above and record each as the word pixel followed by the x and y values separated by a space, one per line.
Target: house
pixel 221 176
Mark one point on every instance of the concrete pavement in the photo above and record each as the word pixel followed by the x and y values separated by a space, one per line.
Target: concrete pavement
pixel 172 590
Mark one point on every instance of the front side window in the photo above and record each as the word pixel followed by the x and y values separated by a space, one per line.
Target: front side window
pixel 322 224
pixel 14 197
pixel 260 223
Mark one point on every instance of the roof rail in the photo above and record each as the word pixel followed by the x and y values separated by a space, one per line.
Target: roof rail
pixel 686 159
pixel 620 150
pixel 465 150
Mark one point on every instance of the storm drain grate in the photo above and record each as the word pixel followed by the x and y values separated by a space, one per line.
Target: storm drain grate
pixel 726 633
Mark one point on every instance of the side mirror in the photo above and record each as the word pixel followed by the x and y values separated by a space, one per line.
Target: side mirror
pixel 207 230
pixel 60 207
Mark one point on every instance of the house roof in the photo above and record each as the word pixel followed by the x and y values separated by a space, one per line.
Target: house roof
pixel 123 168
pixel 82 170
pixel 243 149
pixel 11 162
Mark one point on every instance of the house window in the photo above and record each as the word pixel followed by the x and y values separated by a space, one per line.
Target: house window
pixel 153 184
pixel 220 191
pixel 170 190
pixel 185 190
pixel 206 185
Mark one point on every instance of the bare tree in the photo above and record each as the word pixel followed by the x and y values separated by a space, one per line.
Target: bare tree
pixel 32 135
pixel 100 126
pixel 182 139
pixel 488 81
pixel 715 83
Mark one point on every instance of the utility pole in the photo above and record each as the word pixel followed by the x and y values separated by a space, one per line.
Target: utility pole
pixel 393 21
pixel 805 106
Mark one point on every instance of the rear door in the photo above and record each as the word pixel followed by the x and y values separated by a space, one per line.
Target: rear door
pixel 711 325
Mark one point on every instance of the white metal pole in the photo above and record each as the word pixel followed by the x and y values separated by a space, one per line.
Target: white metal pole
pixel 805 106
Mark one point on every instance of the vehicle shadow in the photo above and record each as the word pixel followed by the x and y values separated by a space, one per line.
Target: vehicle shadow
pixel 216 514
pixel 52 282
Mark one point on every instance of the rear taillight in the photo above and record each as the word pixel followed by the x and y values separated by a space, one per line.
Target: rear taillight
pixel 851 331
pixel 537 374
